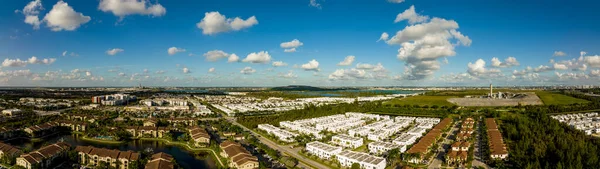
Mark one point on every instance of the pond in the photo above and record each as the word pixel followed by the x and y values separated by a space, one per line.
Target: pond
pixel 184 158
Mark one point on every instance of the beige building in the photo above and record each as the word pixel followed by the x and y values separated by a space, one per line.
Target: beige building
pixel 44 157
pixel 200 136
pixel 93 156
pixel 9 151
pixel 147 131
pixel 238 156
pixel 160 161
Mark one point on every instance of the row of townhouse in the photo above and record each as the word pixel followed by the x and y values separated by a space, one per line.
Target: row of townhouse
pixel 282 135
pixel 147 131
pixel 200 136
pixel 387 131
pixel 160 161
pixel 41 129
pixel 563 118
pixel 586 122
pixel 340 125
pixel 322 150
pixel 366 116
pixel 347 141
pixel 496 143
pixel 73 125
pixel 8 151
pixel 238 156
pixel 93 156
pixel 8 132
pixel 426 142
pixel 84 117
pixel 405 140
pixel 302 129
pixel 458 153
pixel 366 161
pixel 44 157
pixel 383 147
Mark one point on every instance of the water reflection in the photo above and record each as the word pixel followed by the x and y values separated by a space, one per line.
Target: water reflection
pixel 185 159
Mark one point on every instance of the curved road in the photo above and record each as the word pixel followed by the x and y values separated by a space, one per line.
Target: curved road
pixel 283 149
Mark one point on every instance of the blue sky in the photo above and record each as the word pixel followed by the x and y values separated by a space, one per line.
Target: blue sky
pixel 547 37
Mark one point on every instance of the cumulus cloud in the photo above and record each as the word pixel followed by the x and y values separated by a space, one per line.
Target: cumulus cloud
pixel 592 61
pixel 478 69
pixel 279 64
pixel 395 1
pixel 364 66
pixel 411 16
pixel 233 58
pixel 384 36
pixel 214 22
pixel 160 72
pixel 22 63
pixel 65 53
pixel 186 70
pixel 215 55
pixel 122 8
pixel 88 73
pixel 571 76
pixel 211 70
pixel 595 73
pixel 347 61
pixel 346 74
pixel 31 12
pixel 64 17
pixel 312 65
pixel 114 51
pixel 424 43
pixel 175 50
pixel 291 45
pixel 260 57
pixel 559 53
pixel 291 50
pixel 247 70
pixel 289 75
pixel 508 62
pixel 315 4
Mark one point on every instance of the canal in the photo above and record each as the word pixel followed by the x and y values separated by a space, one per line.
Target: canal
pixel 186 159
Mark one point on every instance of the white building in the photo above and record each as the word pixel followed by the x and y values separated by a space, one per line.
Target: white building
pixel 322 150
pixel 282 135
pixel 383 147
pixel 366 161
pixel 347 141
pixel 12 112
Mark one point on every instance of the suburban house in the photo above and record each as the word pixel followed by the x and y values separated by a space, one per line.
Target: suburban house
pixel 93 156
pixel 73 125
pixel 150 123
pixel 9 151
pixel 147 131
pixel 238 156
pixel 200 136
pixel 44 157
pixel 42 129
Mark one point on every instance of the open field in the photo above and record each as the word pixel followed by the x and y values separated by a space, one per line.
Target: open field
pixel 423 101
pixel 554 98
pixel 530 99
pixel 463 93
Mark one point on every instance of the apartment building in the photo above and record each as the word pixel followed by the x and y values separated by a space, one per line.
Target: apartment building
pixel 200 136
pixel 92 156
pixel 366 161
pixel 45 157
pixel 8 151
pixel 347 141
pixel 160 161
pixel 146 131
pixel 282 135
pixel 496 143
pixel 383 147
pixel 238 156
pixel 322 150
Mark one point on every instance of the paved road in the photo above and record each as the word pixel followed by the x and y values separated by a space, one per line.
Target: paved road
pixel 477 160
pixel 444 146
pixel 283 149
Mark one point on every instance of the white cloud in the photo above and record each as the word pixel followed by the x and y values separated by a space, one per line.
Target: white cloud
pixel 411 16
pixel 88 73
pixel 291 50
pixel 558 66
pixel 478 69
pixel 559 53
pixel 508 62
pixel 214 22
pixel 364 66
pixel 289 75
pixel 384 36
pixel 64 17
pixel 291 44
pixel 279 64
pixel 14 63
pixel 595 73
pixel 122 74
pixel 174 50
pixel 346 74
pixel 31 12
pixel 571 76
pixel 233 58
pixel 212 69
pixel 186 70
pixel 215 55
pixel 592 61
pixel 260 57
pixel 114 51
pixel 122 8
pixel 347 61
pixel 64 53
pixel 46 61
pixel 247 70
pixel 145 70
pixel 424 43
pixel 312 65
pixel 396 1
pixel 160 72
pixel 314 3
pixel 542 68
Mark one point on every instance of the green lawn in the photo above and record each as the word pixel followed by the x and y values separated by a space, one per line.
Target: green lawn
pixel 422 101
pixel 554 98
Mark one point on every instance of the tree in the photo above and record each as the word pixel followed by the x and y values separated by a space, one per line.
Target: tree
pixel 355 166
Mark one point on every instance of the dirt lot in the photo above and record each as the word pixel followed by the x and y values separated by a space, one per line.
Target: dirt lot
pixel 530 99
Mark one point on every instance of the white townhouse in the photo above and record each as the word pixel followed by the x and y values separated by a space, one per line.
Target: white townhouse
pixel 360 131
pixel 405 139
pixel 282 135
pixel 416 131
pixel 347 141
pixel 322 150
pixel 383 147
pixel 366 161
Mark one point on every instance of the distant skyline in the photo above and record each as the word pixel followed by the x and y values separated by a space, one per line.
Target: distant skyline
pixel 202 43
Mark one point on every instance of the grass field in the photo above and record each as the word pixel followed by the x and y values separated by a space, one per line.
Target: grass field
pixel 554 98
pixel 422 101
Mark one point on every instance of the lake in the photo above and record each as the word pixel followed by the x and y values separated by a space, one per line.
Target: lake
pixel 184 158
